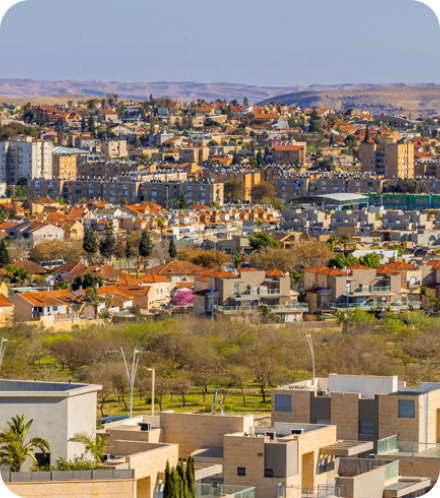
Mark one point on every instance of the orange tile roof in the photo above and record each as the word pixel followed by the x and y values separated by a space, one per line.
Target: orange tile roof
pixel 325 270
pixel 275 273
pixel 30 266
pixel 175 268
pixel 398 265
pixel 358 267
pixel 384 270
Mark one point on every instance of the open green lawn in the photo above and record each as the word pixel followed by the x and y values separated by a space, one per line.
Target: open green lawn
pixel 49 370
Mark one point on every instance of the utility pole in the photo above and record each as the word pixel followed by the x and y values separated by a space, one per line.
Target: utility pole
pixel 134 365
pixel 312 352
pixel 4 342
pixel 153 374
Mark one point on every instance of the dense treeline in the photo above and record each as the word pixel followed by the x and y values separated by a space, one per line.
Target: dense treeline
pixel 190 353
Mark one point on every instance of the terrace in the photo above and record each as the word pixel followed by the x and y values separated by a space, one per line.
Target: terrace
pixel 392 446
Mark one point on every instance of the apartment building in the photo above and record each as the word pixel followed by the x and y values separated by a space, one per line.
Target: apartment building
pixel 250 179
pixel 114 191
pixel 93 169
pixel 193 154
pixel 64 166
pixel 359 222
pixel 289 154
pixel 168 193
pixel 389 158
pixel 239 296
pixel 113 149
pixel 364 287
pixel 408 220
pixel 25 156
pixel 311 221
pixel 229 243
pixel 365 408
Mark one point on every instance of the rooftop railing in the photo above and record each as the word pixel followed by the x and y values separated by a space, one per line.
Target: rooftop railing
pixel 392 446
pixel 66 476
pixel 217 491
pixel 373 304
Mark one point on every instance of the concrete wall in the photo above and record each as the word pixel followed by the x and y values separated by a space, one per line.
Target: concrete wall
pixel 83 489
pixel 345 414
pixel 190 431
pixel 370 484
pixel 368 387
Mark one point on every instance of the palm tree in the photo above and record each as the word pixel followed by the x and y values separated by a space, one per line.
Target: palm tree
pixel 238 259
pixel 93 299
pixel 345 239
pixel 94 446
pixel 13 449
pixel 332 240
pixel 161 224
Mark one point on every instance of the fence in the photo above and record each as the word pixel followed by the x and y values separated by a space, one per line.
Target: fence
pixel 217 491
pixel 320 491
pixel 67 476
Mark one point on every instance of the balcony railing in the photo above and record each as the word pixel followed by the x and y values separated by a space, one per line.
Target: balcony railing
pixel 63 476
pixel 275 307
pixel 66 316
pixel 369 290
pixel 259 292
pixel 373 304
pixel 392 446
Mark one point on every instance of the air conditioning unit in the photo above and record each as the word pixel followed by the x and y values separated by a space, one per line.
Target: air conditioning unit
pixel 296 431
pixel 145 426
pixel 322 392
pixel 272 435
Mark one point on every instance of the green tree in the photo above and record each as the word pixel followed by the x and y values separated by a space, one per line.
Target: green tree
pixel 96 447
pixel 191 477
pixel 234 189
pixel 107 245
pixel 351 141
pixel 263 239
pixel 61 285
pixel 14 451
pixel 367 133
pixel 129 252
pixel 83 125
pixel 172 251
pixel 340 261
pixel 93 299
pixel 372 260
pixel 245 102
pixel 183 203
pixel 145 247
pixel 4 254
pixel 315 126
pixel 90 245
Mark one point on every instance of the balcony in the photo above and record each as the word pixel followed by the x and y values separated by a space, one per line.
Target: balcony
pixel 273 307
pixel 217 491
pixel 370 290
pixel 393 447
pixel 374 304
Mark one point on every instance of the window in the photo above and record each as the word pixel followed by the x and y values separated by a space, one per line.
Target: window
pixel 322 466
pixel 55 308
pixel 406 408
pixel 366 428
pixel 42 460
pixel 268 472
pixel 241 471
pixel 283 403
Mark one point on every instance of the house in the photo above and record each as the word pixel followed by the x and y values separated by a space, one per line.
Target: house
pixel 119 299
pixel 47 307
pixel 58 410
pixel 107 115
pixel 30 266
pixel 177 271
pixel 6 309
pixel 241 295
pixel 35 232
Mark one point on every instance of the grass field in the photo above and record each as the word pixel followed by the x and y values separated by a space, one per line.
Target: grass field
pixel 49 370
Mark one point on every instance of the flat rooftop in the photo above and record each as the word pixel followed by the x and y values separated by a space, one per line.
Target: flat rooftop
pixel 28 388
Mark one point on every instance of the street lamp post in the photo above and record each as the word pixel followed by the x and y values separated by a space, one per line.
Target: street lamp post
pixel 347 287
pixel 4 342
pixel 312 352
pixel 134 365
pixel 153 372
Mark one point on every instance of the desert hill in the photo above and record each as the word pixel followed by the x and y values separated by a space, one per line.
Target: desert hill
pixel 423 100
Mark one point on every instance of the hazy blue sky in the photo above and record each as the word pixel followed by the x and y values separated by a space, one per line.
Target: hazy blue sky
pixel 270 42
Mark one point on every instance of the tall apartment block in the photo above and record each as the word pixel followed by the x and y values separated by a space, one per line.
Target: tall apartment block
pixel 389 158
pixel 25 156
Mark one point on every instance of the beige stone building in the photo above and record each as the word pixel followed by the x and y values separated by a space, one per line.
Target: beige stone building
pixel 64 166
pixel 114 148
pixel 389 158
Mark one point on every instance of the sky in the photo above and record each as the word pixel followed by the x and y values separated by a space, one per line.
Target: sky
pixel 256 42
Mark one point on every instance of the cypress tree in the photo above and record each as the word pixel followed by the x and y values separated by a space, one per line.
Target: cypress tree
pixel 129 253
pixel 172 251
pixel 145 245
pixel 107 245
pixel 166 488
pixel 191 477
pixel 83 124
pixel 182 477
pixel 90 244
pixel 4 254
pixel 367 133
pixel 245 102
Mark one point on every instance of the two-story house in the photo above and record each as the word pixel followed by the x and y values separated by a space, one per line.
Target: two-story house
pixel 220 293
